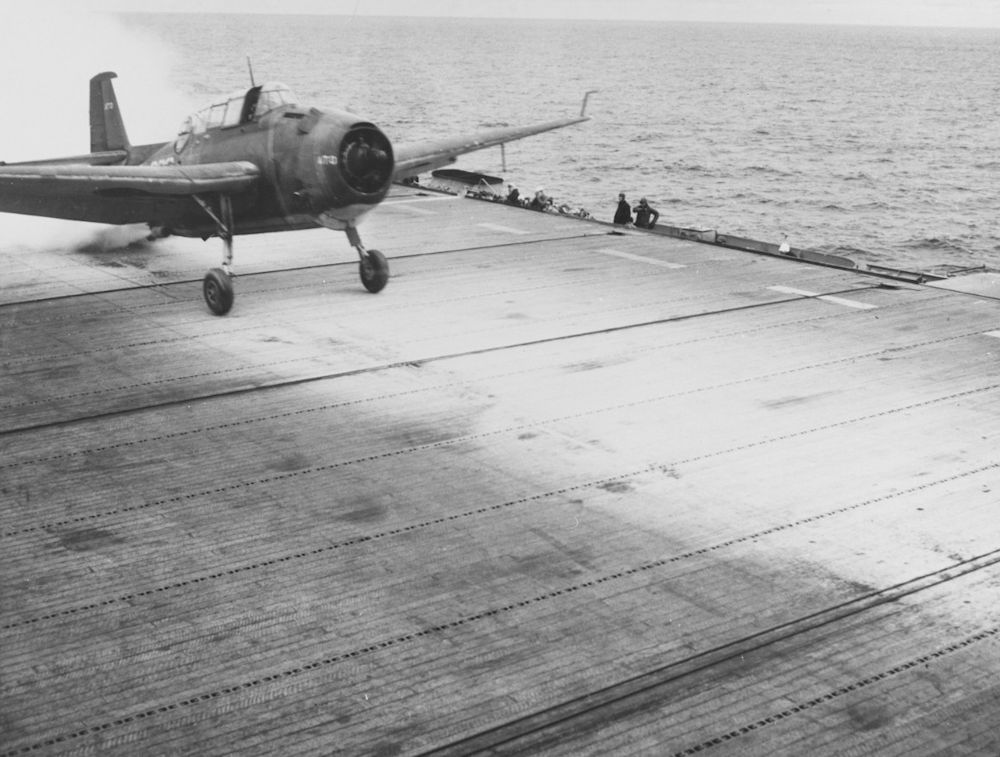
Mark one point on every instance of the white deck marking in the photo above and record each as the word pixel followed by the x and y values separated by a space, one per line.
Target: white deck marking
pixel 639 258
pixel 505 229
pixel 828 297
pixel 403 201
pixel 414 209
pixel 409 204
pixel 573 442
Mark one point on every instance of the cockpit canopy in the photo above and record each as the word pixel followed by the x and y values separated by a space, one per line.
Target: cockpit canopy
pixel 239 108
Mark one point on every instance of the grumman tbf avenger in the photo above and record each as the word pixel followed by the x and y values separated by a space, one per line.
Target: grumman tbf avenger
pixel 253 162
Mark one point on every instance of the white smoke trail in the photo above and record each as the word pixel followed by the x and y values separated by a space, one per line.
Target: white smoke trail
pixel 48 52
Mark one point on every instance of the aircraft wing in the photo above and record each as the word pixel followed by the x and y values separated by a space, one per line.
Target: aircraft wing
pixel 115 194
pixel 419 157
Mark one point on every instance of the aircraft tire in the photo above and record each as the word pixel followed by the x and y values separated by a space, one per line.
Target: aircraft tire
pixel 374 271
pixel 218 290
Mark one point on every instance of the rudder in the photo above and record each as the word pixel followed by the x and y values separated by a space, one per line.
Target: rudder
pixel 107 132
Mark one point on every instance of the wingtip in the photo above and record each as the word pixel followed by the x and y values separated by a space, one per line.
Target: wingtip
pixel 583 106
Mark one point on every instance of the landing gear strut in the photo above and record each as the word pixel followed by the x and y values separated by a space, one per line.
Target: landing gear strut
pixel 217 286
pixel 373 267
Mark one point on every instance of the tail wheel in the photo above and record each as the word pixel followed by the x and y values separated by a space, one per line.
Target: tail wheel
pixel 374 271
pixel 218 290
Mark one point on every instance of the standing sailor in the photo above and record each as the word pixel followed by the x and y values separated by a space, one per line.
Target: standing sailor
pixel 646 216
pixel 623 216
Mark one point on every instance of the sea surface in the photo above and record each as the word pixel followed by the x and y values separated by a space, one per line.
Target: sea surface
pixel 879 143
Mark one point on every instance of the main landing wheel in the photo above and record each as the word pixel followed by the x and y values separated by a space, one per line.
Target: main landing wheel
pixel 374 270
pixel 218 290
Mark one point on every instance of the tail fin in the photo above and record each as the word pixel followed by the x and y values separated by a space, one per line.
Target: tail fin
pixel 107 132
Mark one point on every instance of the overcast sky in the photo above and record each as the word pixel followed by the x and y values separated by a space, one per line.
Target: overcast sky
pixel 974 13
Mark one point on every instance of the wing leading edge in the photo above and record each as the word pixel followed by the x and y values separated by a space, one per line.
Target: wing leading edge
pixel 419 157
pixel 114 194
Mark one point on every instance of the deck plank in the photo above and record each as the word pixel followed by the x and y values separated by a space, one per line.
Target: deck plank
pixel 546 461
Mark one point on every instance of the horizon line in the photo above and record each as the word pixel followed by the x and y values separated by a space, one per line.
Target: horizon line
pixel 563 19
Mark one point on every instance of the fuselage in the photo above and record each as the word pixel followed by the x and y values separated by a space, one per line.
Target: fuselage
pixel 317 167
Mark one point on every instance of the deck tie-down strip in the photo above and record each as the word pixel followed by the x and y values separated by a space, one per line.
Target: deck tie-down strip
pixel 623 692
pixel 307 553
pixel 563 722
pixel 487 434
pixel 280 384
pixel 839 692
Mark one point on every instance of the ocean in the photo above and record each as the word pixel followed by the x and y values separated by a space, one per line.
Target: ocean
pixel 878 143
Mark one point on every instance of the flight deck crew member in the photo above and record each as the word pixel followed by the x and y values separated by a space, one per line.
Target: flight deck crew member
pixel 623 215
pixel 540 201
pixel 646 216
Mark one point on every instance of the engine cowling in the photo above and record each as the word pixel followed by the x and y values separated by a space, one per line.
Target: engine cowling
pixel 347 169
pixel 365 160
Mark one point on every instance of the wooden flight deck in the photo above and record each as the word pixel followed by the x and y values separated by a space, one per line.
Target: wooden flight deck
pixel 553 491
